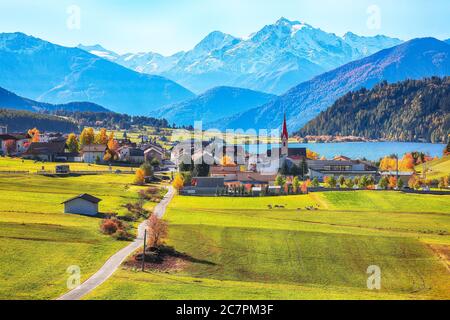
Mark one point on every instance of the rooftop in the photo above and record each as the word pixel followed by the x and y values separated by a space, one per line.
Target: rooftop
pixel 84 196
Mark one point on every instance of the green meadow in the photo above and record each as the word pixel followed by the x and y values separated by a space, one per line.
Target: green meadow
pixel 436 169
pixel 244 250
pixel 17 164
pixel 39 242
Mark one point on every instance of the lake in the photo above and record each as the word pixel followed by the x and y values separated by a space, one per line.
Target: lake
pixel 369 150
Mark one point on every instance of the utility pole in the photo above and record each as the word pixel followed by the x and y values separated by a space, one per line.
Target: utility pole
pixel 396 157
pixel 145 248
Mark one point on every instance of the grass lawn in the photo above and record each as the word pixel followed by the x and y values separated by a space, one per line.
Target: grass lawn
pixel 244 250
pixel 39 242
pixel 17 164
pixel 436 169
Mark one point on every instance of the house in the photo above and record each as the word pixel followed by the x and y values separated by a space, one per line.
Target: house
pixel 21 141
pixel 154 152
pixel 93 153
pixel 131 155
pixel 45 151
pixel 84 204
pixel 228 173
pixel 336 168
pixel 204 186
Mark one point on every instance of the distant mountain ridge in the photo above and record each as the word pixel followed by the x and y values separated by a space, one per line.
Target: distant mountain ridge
pixel 9 100
pixel 271 60
pixel 44 71
pixel 412 110
pixel 213 105
pixel 415 59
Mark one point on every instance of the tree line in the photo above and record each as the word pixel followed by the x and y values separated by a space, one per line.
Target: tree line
pixel 21 121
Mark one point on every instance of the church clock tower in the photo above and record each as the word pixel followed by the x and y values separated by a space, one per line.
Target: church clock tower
pixel 285 140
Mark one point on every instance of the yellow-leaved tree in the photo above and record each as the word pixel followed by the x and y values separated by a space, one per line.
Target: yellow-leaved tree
pixel 178 182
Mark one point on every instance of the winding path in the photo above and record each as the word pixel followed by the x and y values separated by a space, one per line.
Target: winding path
pixel 117 259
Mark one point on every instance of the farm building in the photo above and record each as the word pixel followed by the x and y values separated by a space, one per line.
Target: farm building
pixel 45 151
pixel 84 204
pixel 93 153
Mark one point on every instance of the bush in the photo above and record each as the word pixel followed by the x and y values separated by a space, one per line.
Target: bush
pixel 116 228
pixel 122 235
pixel 109 226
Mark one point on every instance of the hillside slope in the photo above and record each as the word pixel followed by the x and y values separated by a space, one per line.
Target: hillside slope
pixel 416 59
pixel 213 105
pixel 20 121
pixel 9 100
pixel 47 72
pixel 413 110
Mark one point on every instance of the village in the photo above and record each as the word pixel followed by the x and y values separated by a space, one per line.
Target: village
pixel 217 168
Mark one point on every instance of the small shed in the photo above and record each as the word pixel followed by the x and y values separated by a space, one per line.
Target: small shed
pixel 84 204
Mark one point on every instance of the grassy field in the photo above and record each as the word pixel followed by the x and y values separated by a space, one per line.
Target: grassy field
pixel 17 164
pixel 39 242
pixel 246 251
pixel 437 168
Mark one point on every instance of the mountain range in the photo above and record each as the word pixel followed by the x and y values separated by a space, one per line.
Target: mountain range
pixel 212 105
pixel 9 100
pixel 414 59
pixel 271 60
pixel 44 71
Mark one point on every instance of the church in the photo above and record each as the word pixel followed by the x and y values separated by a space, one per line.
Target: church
pixel 291 155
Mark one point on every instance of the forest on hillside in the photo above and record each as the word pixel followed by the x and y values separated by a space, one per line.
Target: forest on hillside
pixel 412 110
pixel 22 121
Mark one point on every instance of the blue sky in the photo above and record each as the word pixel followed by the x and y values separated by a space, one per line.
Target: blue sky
pixel 168 26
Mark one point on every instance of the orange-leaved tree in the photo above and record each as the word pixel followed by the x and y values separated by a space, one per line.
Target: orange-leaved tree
pixel 139 177
pixel 157 231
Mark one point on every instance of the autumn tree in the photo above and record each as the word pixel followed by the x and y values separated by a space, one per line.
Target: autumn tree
pixel 227 162
pixel 305 187
pixel 139 178
pixel 72 143
pixel 101 137
pixel 87 137
pixel 311 155
pixel 157 231
pixel 35 135
pixel 178 182
pixel 393 182
pixel 113 148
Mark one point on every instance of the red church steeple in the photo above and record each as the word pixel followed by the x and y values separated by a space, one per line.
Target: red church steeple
pixel 285 139
pixel 285 134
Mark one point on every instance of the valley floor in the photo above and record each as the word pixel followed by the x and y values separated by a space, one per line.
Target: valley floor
pixel 240 249
pixel 39 243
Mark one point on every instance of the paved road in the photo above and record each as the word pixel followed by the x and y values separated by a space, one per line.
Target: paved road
pixel 116 260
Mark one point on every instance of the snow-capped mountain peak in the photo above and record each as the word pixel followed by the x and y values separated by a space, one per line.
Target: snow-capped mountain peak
pixel 273 59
